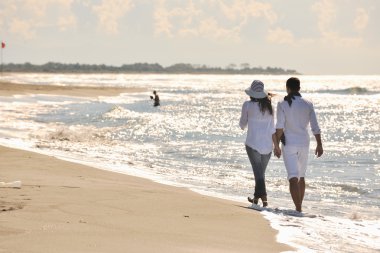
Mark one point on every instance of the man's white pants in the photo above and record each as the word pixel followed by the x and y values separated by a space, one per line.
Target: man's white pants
pixel 295 159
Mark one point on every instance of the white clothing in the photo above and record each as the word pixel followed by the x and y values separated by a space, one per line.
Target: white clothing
pixel 260 127
pixel 294 120
pixel 295 159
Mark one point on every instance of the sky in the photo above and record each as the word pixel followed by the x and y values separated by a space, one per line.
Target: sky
pixel 310 36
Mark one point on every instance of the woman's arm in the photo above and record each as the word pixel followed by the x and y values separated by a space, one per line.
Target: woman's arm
pixel 244 116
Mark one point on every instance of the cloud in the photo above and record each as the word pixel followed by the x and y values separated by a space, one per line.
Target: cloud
pixel 361 20
pixel 35 8
pixel 22 28
pixel 64 23
pixel 110 12
pixel 242 10
pixel 164 16
pixel 24 19
pixel 209 27
pixel 337 40
pixel 39 8
pixel 209 19
pixel 7 8
pixel 326 11
pixel 280 36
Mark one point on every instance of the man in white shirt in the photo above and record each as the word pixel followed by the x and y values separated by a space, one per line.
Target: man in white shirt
pixel 294 114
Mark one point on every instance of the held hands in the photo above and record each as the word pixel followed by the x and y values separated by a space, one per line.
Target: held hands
pixel 319 150
pixel 277 152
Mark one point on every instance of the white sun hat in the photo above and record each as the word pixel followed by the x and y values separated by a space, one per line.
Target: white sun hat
pixel 256 90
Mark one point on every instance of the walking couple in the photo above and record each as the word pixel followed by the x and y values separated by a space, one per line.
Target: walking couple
pixel 294 114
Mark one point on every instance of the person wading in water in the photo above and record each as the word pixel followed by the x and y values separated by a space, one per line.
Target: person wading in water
pixel 156 99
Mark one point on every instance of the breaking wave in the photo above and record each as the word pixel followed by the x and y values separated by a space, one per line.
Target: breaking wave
pixel 351 91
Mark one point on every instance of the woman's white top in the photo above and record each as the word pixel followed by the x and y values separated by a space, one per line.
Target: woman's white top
pixel 260 127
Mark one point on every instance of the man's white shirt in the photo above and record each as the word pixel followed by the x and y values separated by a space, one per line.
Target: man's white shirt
pixel 295 119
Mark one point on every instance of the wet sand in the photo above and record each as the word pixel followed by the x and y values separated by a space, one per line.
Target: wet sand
pixel 10 89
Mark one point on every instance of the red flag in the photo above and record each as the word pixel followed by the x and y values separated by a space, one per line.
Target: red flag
pixel 2 45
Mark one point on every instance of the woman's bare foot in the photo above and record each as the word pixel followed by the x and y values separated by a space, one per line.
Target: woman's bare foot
pixel 253 200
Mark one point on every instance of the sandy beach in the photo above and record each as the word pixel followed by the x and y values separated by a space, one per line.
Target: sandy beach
pixel 10 89
pixel 67 207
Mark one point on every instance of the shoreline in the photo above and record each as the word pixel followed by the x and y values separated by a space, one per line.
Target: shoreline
pixel 11 89
pixel 114 212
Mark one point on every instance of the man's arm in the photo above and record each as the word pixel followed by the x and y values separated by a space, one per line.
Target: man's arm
pixel 280 122
pixel 277 150
pixel 316 131
pixel 279 127
pixel 319 149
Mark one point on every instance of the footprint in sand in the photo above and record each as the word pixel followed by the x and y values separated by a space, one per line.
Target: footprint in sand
pixel 8 206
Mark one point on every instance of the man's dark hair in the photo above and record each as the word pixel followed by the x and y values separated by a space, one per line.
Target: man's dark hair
pixel 293 84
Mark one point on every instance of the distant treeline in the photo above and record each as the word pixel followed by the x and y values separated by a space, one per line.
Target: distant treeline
pixel 179 68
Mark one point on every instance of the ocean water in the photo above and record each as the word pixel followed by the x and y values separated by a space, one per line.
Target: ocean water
pixel 193 140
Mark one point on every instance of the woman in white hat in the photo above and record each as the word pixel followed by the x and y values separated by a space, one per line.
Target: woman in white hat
pixel 258 114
